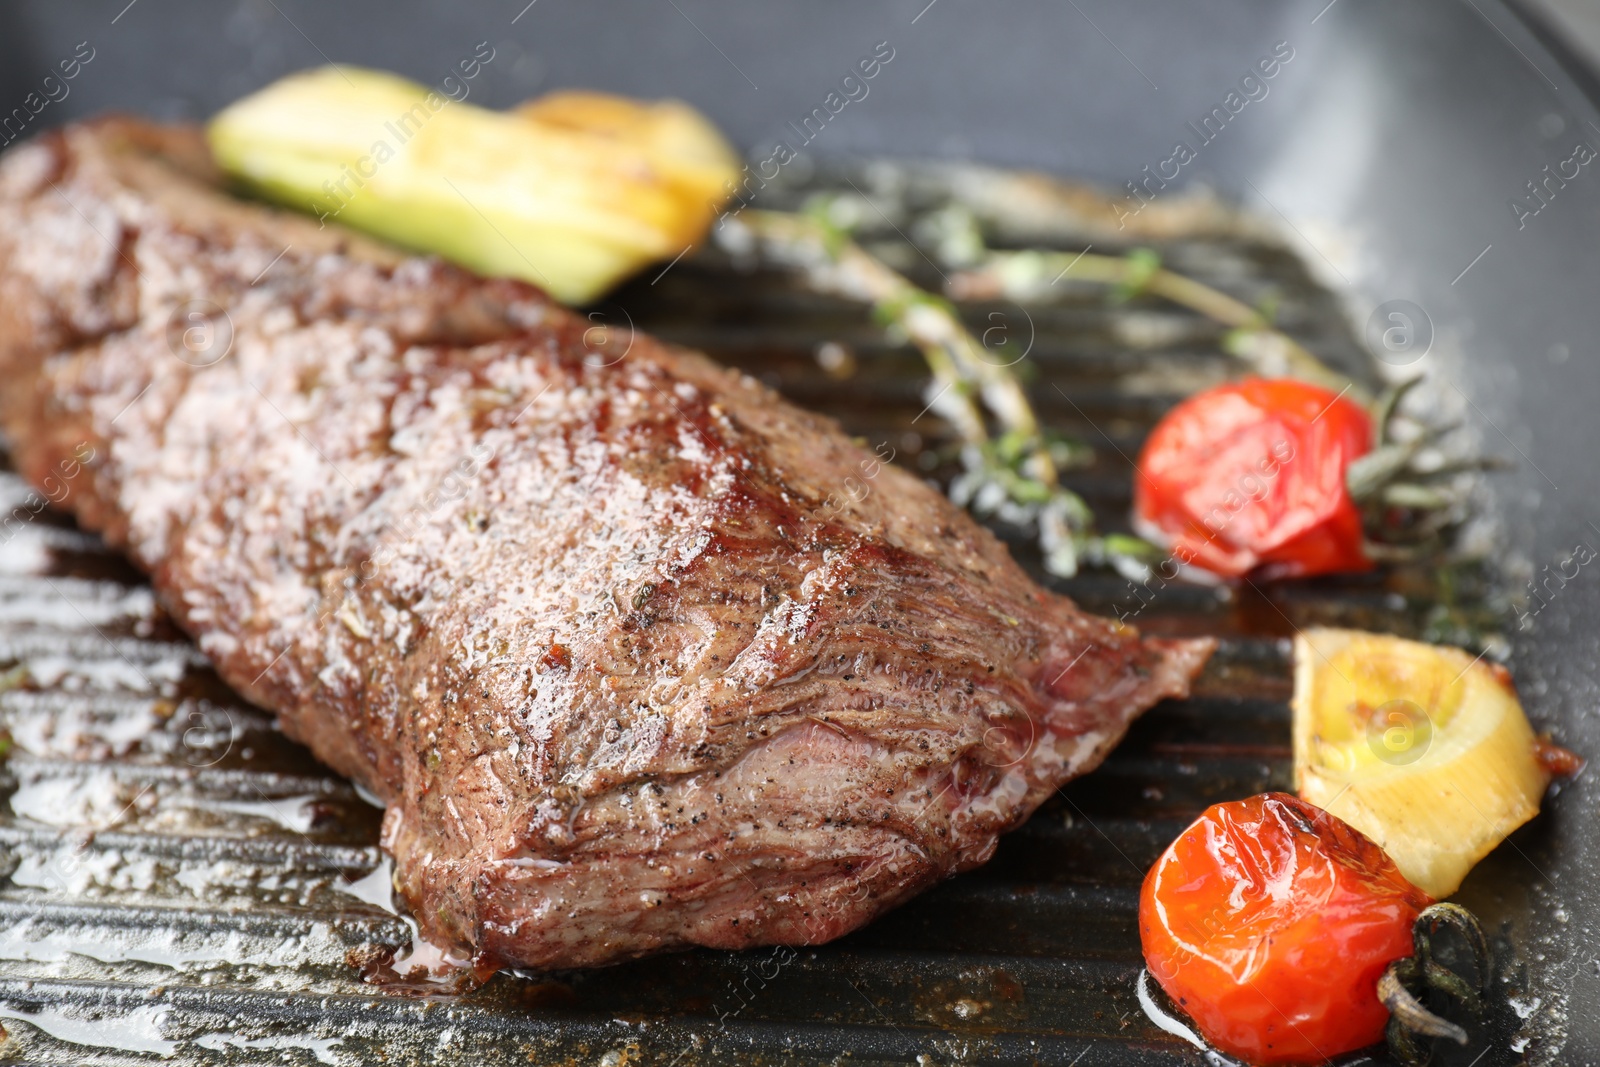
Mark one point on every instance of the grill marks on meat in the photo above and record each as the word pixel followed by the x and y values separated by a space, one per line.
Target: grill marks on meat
pixel 587 617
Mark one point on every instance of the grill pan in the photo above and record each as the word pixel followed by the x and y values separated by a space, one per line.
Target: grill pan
pixel 184 885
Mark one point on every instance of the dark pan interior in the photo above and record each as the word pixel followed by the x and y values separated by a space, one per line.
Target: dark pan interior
pixel 205 920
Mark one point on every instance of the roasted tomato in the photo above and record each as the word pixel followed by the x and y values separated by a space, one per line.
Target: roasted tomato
pixel 1269 921
pixel 1250 476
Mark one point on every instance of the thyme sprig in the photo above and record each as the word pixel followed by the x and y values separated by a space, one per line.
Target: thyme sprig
pixel 1407 981
pixel 1411 496
pixel 1033 274
pixel 1010 464
pixel 1012 472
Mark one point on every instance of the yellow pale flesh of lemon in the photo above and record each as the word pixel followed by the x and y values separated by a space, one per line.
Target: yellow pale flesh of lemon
pixel 1422 748
pixel 573 195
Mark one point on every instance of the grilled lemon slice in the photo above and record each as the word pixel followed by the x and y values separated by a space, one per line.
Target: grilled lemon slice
pixel 1422 748
pixel 572 195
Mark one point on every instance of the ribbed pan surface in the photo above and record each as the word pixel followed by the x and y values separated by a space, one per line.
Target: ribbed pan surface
pixel 181 884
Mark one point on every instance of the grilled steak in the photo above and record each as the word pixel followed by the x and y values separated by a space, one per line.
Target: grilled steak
pixel 588 613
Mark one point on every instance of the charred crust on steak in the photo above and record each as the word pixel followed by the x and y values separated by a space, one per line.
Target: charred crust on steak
pixel 626 673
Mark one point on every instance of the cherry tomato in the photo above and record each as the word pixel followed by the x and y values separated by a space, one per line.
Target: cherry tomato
pixel 1269 921
pixel 1250 476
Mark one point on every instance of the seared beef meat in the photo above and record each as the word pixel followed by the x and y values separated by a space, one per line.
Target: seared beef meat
pixel 588 613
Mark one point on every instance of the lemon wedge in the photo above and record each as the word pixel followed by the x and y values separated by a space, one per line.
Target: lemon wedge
pixel 571 193
pixel 1424 749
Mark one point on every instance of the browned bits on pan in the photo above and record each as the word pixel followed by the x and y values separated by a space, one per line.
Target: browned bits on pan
pixel 1560 762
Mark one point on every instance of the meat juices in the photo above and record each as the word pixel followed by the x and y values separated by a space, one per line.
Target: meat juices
pixel 588 613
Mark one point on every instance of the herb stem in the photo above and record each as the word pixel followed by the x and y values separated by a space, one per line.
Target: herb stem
pixel 1016 466
pixel 1032 274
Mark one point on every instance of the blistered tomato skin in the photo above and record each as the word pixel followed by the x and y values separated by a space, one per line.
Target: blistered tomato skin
pixel 1251 477
pixel 1268 922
